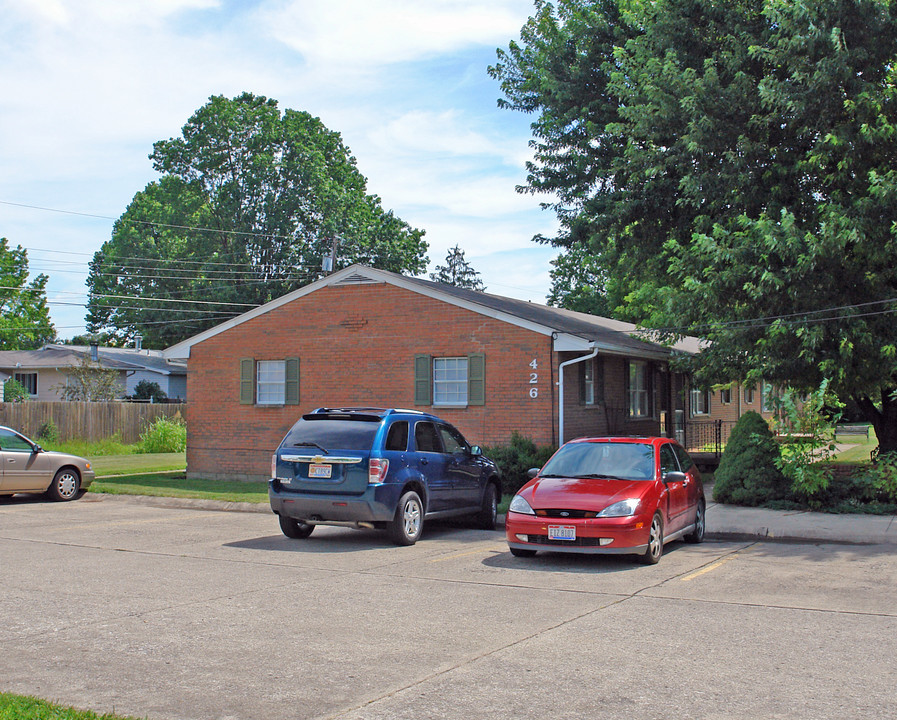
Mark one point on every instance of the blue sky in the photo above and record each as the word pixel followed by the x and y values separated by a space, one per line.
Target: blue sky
pixel 89 85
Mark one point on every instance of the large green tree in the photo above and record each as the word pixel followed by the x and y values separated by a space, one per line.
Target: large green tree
pixel 250 202
pixel 24 315
pixel 732 164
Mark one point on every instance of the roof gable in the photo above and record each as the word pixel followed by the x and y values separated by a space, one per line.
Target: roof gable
pixel 571 330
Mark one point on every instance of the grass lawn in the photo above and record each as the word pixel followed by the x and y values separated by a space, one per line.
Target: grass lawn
pixel 137 463
pixel 20 707
pixel 176 484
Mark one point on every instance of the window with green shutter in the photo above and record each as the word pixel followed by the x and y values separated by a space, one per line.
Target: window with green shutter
pixel 422 379
pixel 450 381
pixel 476 379
pixel 269 382
pixel 247 381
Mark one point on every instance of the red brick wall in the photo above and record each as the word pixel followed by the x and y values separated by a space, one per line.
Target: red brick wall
pixel 356 346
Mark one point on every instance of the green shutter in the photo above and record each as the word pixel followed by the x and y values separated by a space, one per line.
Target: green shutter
pixel 291 390
pixel 247 381
pixel 476 379
pixel 423 381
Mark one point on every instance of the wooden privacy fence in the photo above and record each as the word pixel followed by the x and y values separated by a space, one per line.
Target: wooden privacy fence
pixel 87 420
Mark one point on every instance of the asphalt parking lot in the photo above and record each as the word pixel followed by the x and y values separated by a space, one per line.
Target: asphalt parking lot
pixel 114 605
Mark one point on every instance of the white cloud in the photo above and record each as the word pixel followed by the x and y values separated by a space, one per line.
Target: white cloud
pixel 378 32
pixel 89 85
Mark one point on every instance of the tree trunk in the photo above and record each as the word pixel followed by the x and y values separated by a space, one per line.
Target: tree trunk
pixel 884 421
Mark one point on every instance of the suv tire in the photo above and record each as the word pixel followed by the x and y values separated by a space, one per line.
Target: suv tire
pixel 408 523
pixel 295 529
pixel 486 518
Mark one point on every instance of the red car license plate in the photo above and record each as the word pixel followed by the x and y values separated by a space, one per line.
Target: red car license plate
pixel 562 532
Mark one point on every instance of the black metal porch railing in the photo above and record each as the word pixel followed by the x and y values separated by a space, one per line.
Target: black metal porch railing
pixel 707 437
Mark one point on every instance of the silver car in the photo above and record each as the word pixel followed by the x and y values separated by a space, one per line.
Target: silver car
pixel 25 467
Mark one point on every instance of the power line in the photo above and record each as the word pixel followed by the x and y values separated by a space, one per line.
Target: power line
pixel 248 233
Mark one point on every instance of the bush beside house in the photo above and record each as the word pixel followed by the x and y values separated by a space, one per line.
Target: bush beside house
pixel 748 473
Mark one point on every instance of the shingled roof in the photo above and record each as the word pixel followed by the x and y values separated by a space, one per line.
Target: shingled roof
pixel 571 330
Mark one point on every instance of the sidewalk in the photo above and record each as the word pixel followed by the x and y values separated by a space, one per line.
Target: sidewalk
pixel 730 522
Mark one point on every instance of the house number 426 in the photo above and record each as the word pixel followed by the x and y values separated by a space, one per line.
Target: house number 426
pixel 534 379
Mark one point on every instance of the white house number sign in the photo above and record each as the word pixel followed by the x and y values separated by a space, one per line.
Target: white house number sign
pixel 534 379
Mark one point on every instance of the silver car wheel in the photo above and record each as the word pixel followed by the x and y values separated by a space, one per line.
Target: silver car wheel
pixel 655 542
pixel 411 515
pixel 65 485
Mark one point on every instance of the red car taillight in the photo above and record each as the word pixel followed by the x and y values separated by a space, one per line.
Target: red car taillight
pixel 377 470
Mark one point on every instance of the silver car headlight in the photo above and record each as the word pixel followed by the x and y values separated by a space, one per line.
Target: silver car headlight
pixel 519 505
pixel 624 508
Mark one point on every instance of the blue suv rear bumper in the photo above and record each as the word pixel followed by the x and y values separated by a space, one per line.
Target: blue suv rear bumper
pixel 376 504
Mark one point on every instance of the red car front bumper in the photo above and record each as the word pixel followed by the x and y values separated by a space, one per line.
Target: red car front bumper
pixel 626 535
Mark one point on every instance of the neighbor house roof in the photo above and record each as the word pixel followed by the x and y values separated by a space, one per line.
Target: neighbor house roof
pixel 63 356
pixel 569 330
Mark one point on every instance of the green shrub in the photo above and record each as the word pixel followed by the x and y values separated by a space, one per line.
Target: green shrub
pixel 48 432
pixel 516 458
pixel 882 476
pixel 748 473
pixel 807 424
pixel 165 435
pixel 14 391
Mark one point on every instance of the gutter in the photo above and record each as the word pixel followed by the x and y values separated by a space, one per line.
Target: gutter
pixel 561 367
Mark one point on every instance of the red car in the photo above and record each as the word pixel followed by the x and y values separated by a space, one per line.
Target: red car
pixel 609 495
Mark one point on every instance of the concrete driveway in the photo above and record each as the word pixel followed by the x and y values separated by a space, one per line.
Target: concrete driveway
pixel 113 605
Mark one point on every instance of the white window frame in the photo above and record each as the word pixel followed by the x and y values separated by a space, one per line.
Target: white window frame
pixel 450 375
pixel 639 390
pixel 699 402
pixel 270 382
pixel 749 395
pixel 588 382
pixel 725 395
pixel 18 378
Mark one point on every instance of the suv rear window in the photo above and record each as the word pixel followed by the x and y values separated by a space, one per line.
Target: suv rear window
pixel 329 434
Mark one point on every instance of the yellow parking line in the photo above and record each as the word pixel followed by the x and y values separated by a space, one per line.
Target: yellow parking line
pixel 712 566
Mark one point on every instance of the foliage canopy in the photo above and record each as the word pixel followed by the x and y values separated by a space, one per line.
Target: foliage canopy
pixel 732 166
pixel 24 315
pixel 250 201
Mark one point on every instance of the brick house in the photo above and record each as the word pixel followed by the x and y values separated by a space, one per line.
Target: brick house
pixel 363 337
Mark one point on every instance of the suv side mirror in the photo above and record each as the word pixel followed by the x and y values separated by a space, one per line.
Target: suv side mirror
pixel 476 450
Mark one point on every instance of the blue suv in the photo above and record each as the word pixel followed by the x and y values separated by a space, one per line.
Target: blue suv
pixel 377 468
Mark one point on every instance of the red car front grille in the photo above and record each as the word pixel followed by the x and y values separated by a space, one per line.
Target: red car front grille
pixel 563 514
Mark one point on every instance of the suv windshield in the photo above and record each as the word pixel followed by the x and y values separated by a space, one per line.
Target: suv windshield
pixel 627 461
pixel 329 434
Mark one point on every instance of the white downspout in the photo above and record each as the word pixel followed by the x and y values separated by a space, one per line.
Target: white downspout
pixel 561 388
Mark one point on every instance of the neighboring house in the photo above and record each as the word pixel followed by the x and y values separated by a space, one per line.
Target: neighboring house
pixel 362 337
pixel 44 372
pixel 730 403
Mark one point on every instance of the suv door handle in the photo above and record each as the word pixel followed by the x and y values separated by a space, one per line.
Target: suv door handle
pixel 424 461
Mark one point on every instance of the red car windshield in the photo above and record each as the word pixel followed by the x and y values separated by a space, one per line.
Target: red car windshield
pixel 624 461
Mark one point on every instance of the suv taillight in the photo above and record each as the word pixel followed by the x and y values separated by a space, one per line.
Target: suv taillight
pixel 274 465
pixel 377 470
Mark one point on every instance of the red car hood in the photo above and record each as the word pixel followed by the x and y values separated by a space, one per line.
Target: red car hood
pixel 581 493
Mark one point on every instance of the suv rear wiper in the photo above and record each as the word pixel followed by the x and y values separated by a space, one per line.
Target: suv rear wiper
pixel 310 444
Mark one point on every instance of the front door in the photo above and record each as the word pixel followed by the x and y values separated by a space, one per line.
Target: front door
pixel 431 463
pixel 463 468
pixel 677 491
pixel 23 469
